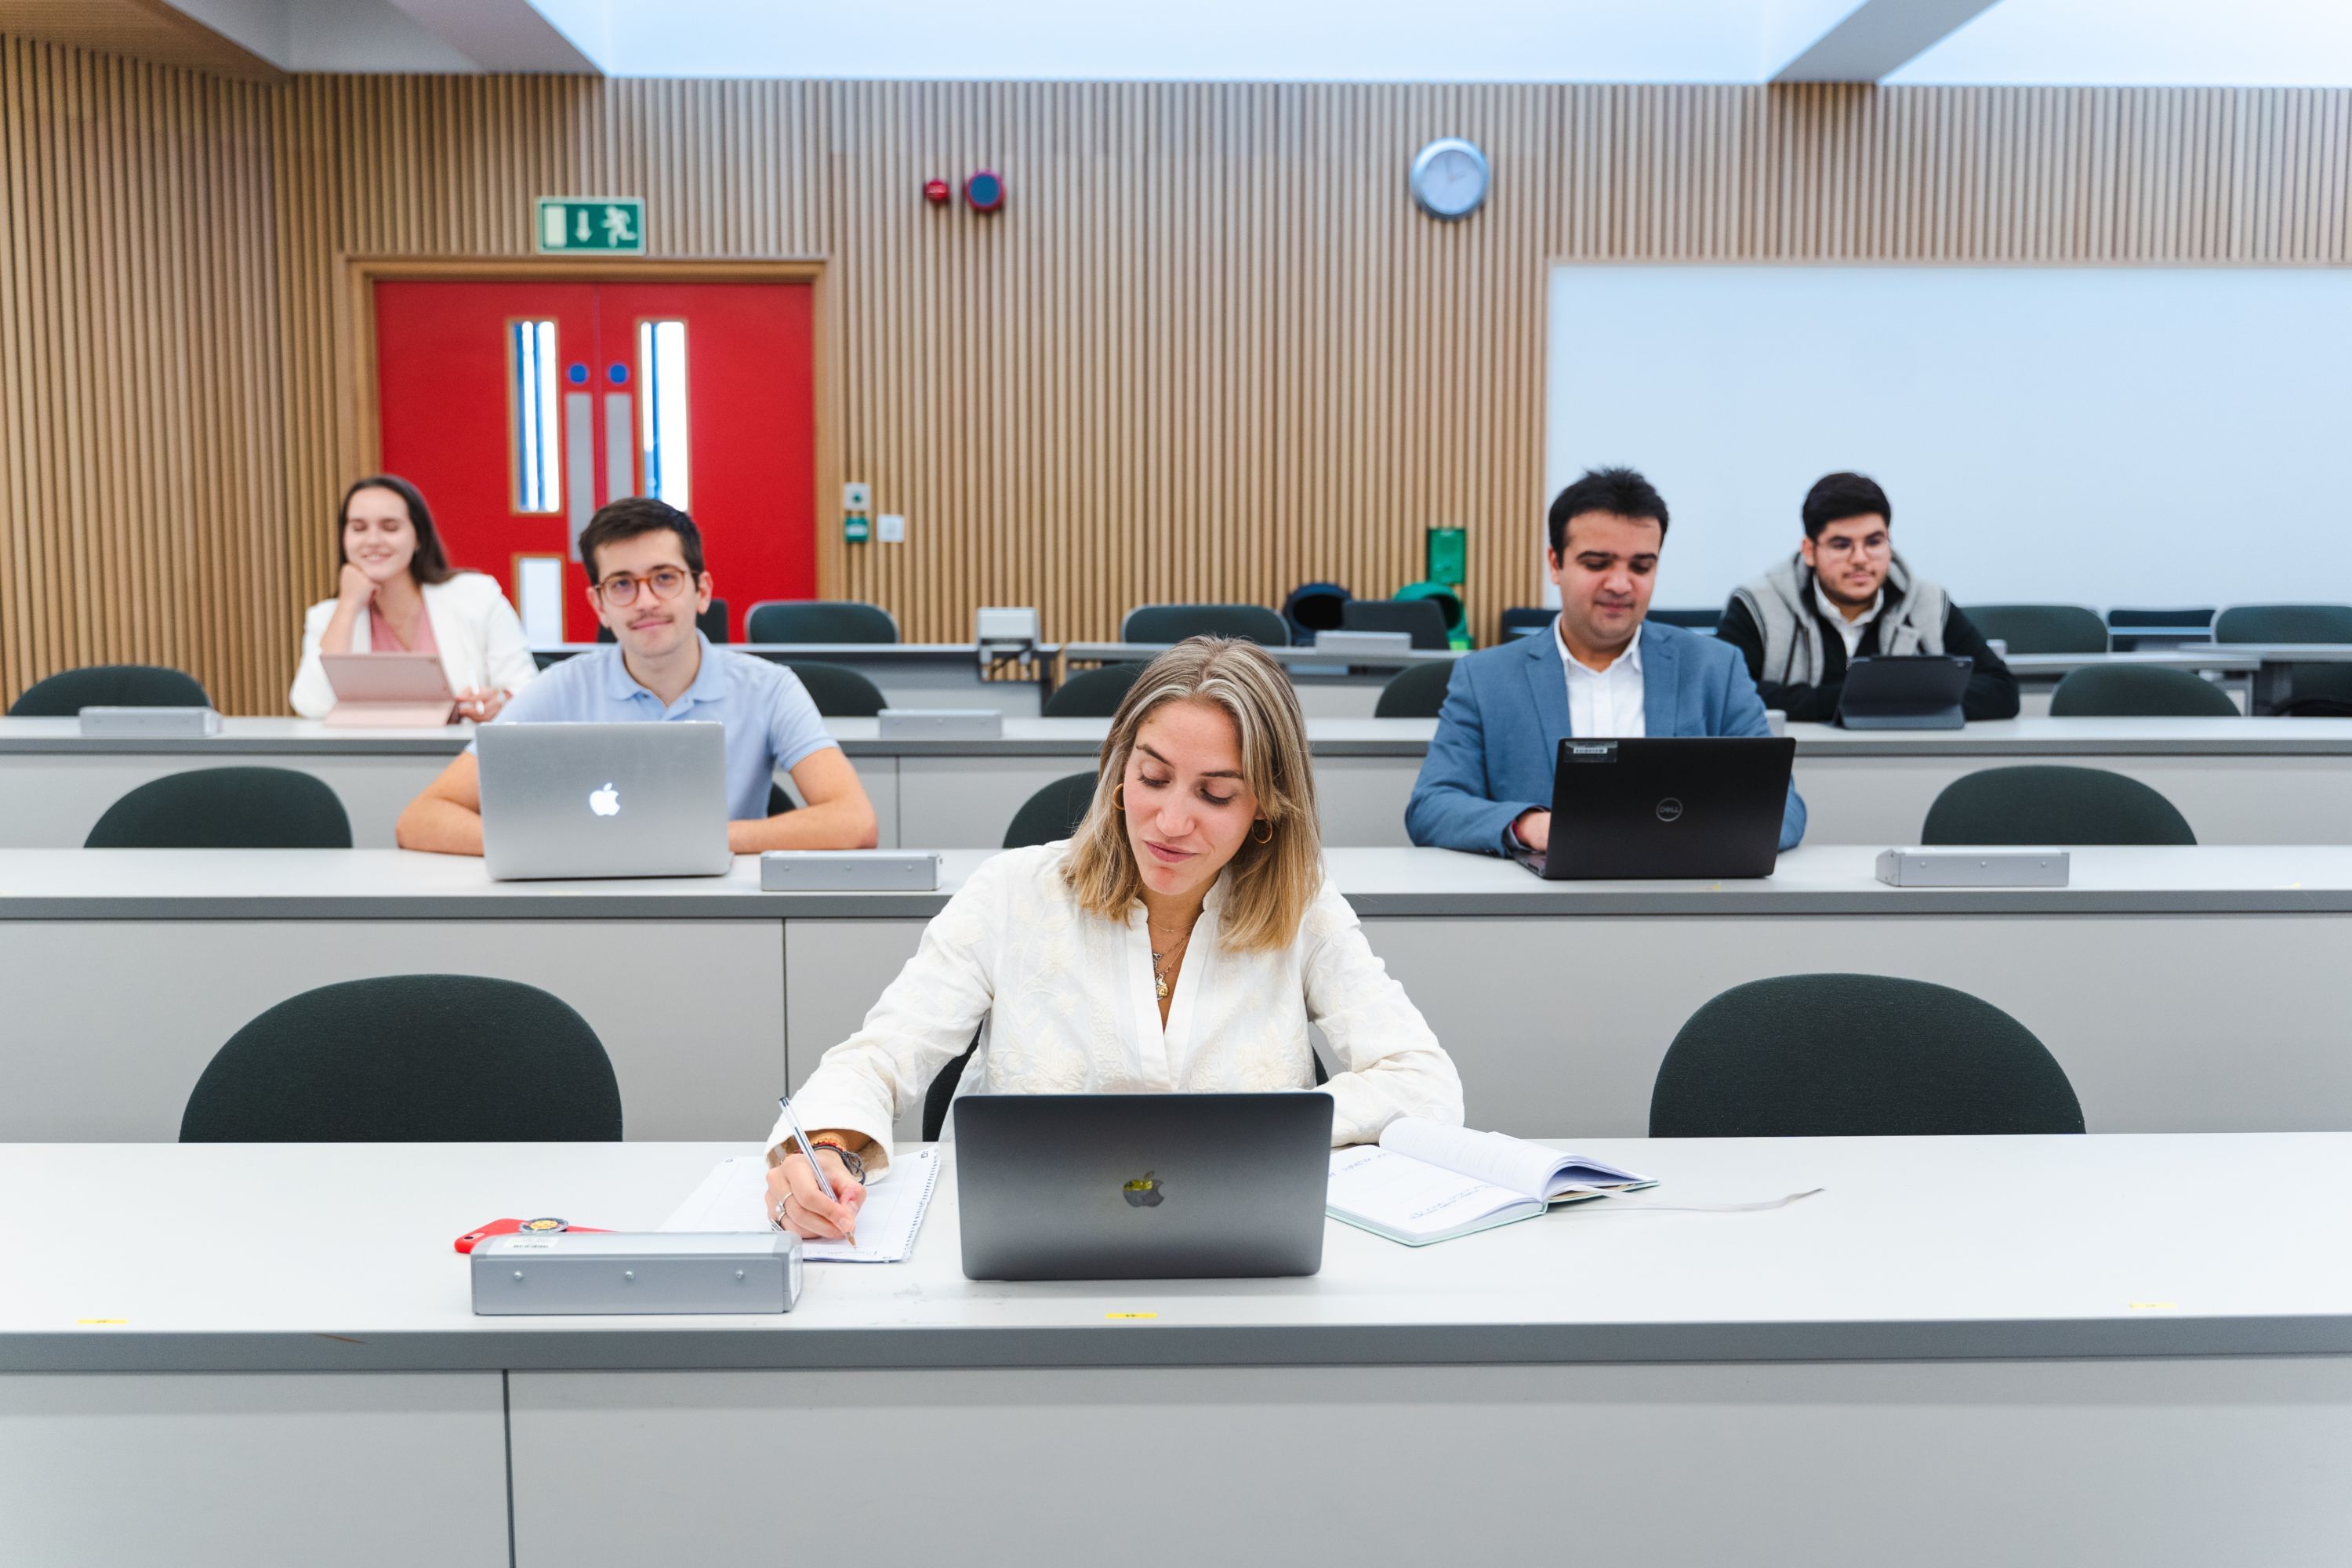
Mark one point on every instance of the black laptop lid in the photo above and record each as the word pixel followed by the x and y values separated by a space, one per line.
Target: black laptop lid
pixel 1674 807
pixel 1905 691
pixel 1142 1186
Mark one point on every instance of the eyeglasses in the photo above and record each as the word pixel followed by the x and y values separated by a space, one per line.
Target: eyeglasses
pixel 620 590
pixel 1841 545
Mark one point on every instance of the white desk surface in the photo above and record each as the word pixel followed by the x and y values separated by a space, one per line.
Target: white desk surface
pixel 262 736
pixel 1825 879
pixel 339 1258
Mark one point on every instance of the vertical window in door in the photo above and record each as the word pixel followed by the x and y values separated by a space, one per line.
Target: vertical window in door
pixel 661 411
pixel 530 389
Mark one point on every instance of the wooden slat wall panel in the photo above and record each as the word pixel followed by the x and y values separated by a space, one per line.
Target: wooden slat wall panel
pixel 142 471
pixel 1208 351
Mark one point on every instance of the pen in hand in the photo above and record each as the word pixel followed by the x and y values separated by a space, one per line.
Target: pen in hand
pixel 824 1182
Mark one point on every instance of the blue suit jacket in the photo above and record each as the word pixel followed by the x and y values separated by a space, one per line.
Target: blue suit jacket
pixel 1505 713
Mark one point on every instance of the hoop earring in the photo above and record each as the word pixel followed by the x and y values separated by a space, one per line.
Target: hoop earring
pixel 1116 798
pixel 1269 832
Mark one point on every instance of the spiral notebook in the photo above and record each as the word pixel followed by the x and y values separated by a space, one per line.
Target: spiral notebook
pixel 734 1196
pixel 1426 1182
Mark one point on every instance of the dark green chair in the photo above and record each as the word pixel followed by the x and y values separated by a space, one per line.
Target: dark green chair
pixel 1423 620
pixel 1448 602
pixel 2284 622
pixel 1416 691
pixel 1174 622
pixel 1054 812
pixel 1092 693
pixel 2053 806
pixel 1856 1056
pixel 1689 620
pixel 409 1058
pixel 226 808
pixel 838 691
pixel 69 692
pixel 2041 628
pixel 2138 691
pixel 1527 619
pixel 779 802
pixel 819 620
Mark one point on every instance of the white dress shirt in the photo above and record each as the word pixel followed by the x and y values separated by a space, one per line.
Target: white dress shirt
pixel 1068 1002
pixel 1853 631
pixel 1607 701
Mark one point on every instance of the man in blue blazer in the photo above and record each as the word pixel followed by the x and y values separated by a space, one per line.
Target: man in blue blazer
pixel 1602 670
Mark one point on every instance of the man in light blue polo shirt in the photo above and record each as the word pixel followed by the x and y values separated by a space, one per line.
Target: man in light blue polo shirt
pixel 646 585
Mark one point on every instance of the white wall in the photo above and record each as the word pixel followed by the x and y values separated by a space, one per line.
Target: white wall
pixel 2155 436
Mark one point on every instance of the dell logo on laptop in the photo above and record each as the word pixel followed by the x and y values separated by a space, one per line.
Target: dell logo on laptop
pixel 1670 809
pixel 605 801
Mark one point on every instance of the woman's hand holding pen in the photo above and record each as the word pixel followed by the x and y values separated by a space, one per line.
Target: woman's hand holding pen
pixel 806 1211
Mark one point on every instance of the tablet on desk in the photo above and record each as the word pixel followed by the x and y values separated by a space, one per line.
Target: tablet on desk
pixel 388 690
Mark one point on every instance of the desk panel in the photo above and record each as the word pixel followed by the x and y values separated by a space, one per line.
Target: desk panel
pixel 51 801
pixel 218 1471
pixel 1950 1464
pixel 112 1022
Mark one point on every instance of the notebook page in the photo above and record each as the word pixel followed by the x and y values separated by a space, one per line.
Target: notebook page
pixel 1530 1170
pixel 734 1197
pixel 1396 1192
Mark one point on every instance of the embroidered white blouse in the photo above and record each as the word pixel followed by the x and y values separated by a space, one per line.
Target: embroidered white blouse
pixel 1068 1001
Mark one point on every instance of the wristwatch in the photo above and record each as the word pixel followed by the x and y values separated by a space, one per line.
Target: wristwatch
pixel 849 1157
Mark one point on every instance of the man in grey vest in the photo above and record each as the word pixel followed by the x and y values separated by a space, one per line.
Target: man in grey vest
pixel 1846 594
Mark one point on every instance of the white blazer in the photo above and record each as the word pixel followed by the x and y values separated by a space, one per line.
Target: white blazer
pixel 1070 1009
pixel 478 632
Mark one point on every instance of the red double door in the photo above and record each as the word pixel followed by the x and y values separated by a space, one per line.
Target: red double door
pixel 520 407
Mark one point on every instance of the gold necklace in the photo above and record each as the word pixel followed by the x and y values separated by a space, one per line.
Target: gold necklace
pixel 1159 976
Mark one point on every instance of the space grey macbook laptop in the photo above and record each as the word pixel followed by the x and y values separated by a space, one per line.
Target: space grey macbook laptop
pixel 1142 1187
pixel 603 800
pixel 1685 805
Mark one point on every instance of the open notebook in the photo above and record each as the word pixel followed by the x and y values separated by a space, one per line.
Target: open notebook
pixel 734 1196
pixel 1426 1182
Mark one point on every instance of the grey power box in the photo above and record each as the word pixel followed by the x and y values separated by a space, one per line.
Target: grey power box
pixel 146 723
pixel 1959 867
pixel 850 871
pixel 943 724
pixel 1364 645
pixel 664 1271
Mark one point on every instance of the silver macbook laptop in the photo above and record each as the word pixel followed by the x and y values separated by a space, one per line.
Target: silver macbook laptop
pixel 1142 1187
pixel 603 800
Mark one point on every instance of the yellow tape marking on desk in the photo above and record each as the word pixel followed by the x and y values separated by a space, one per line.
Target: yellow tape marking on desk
pixel 79 1322
pixel 2155 1306
pixel 1130 1314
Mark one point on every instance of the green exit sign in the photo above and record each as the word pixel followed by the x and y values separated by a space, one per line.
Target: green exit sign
pixel 606 225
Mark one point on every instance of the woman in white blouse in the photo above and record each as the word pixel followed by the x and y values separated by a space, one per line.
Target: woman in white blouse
pixel 1181 940
pixel 398 592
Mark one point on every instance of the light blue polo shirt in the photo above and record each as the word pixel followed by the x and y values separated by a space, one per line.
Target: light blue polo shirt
pixel 770 722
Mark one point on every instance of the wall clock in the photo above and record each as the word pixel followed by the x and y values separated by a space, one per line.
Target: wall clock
pixel 1450 178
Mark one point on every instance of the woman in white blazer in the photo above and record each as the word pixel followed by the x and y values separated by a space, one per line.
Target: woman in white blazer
pixel 398 592
pixel 1181 940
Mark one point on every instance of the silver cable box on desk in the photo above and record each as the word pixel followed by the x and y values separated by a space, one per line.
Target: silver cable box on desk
pixel 619 1271
pixel 943 724
pixel 1961 866
pixel 850 871
pixel 141 723
pixel 1363 645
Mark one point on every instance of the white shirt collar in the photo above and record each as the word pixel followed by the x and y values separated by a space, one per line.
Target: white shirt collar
pixel 1630 660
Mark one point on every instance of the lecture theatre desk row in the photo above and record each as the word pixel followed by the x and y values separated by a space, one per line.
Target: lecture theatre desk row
pixel 2037 1351
pixel 2182 989
pixel 2238 781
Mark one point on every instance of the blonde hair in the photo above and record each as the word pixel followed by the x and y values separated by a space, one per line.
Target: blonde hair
pixel 1270 883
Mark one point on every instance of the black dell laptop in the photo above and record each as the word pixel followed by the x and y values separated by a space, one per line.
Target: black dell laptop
pixel 1142 1186
pixel 1704 806
pixel 1905 691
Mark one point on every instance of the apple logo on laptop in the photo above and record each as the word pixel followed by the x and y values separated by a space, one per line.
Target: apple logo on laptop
pixel 1143 1192
pixel 605 801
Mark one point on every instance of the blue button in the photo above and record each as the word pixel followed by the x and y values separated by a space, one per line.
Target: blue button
pixel 577 376
pixel 617 374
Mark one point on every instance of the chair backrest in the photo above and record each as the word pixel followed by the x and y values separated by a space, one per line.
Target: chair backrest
pixel 409 1058
pixel 2136 620
pixel 2053 806
pixel 226 808
pixel 819 620
pixel 1054 812
pixel 1533 617
pixel 1421 619
pixel 2284 622
pixel 1416 691
pixel 1092 693
pixel 1830 1056
pixel 2041 628
pixel 2138 691
pixel 1690 620
pixel 69 692
pixel 838 691
pixel 1448 602
pixel 1174 622
pixel 1314 607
